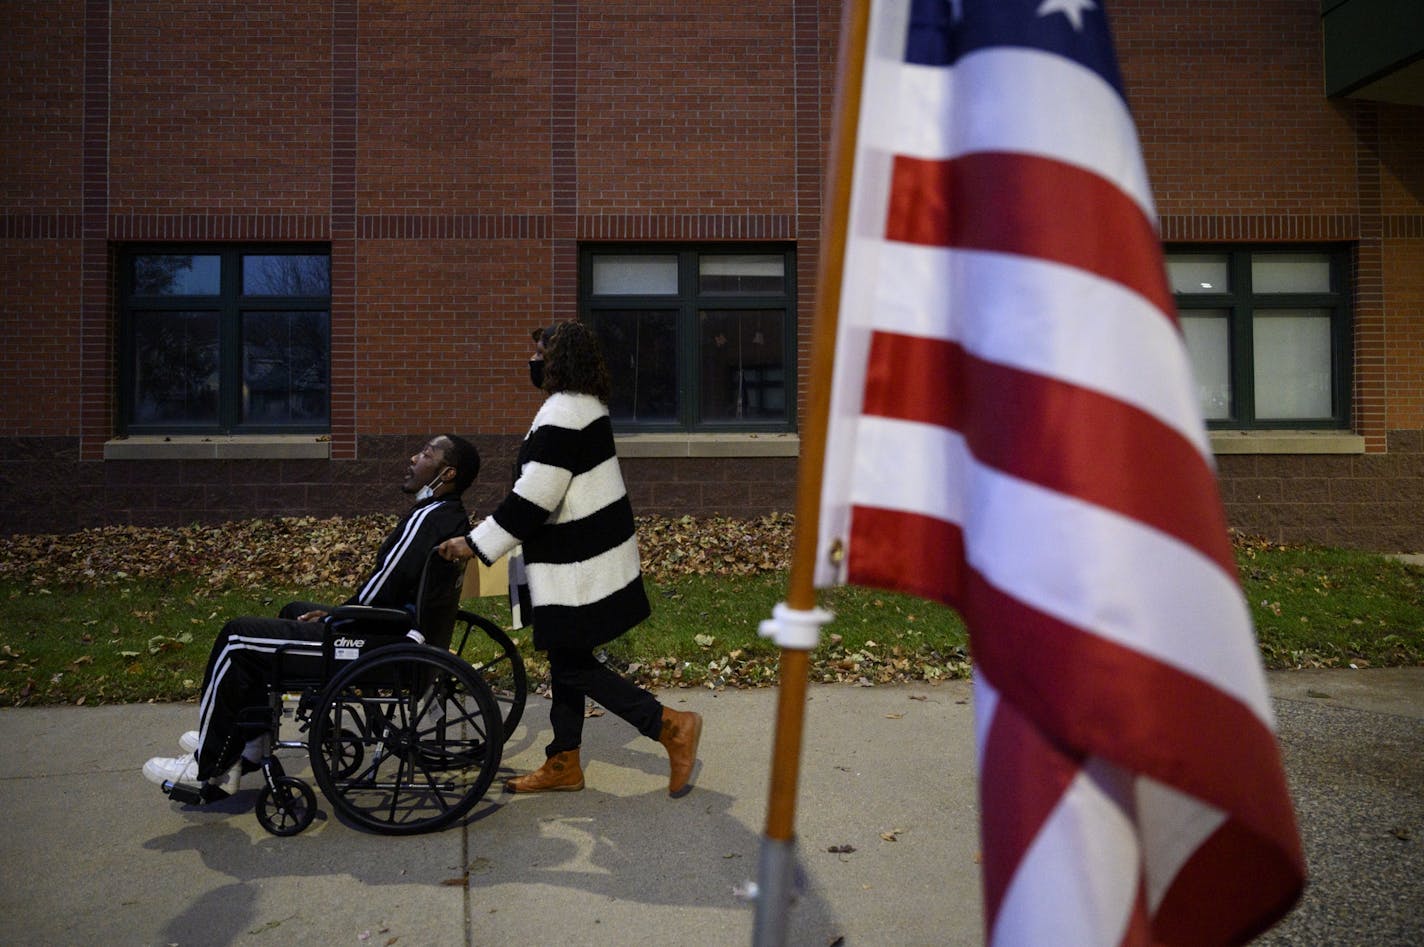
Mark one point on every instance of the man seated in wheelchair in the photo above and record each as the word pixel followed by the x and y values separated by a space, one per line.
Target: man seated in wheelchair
pixel 252 654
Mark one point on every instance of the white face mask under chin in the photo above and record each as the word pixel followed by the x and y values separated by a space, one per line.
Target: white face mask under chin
pixel 428 491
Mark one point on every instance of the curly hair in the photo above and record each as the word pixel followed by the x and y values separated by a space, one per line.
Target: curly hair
pixel 573 361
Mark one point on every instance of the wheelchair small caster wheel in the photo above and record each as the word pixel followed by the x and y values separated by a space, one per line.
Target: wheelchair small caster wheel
pixel 286 806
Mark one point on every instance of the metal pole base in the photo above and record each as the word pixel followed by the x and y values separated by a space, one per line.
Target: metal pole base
pixel 776 887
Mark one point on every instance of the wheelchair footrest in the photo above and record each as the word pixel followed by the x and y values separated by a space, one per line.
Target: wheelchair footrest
pixel 191 795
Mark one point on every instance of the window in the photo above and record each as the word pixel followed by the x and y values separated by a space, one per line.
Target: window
pixel 696 339
pixel 1268 333
pixel 224 339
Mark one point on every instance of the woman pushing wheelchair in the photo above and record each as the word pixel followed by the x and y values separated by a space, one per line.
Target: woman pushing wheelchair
pixel 569 510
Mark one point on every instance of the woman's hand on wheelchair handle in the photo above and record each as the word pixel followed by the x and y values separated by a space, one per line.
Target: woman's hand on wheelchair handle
pixel 456 549
pixel 315 614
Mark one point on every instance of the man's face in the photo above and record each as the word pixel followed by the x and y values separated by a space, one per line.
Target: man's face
pixel 426 464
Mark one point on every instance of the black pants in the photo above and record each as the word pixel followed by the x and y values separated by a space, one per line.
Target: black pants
pixel 577 675
pixel 248 654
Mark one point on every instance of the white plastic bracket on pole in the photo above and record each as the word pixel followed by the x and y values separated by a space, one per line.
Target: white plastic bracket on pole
pixel 793 627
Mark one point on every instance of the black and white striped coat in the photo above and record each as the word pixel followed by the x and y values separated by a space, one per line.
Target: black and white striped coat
pixel 570 510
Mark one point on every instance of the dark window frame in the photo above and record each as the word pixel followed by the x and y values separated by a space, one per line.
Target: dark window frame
pixel 230 304
pixel 688 302
pixel 1241 304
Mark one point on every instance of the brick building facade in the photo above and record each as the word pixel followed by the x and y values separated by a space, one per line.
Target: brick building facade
pixel 468 171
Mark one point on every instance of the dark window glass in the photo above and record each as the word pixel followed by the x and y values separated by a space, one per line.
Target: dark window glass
pixel 177 274
pixel 743 365
pixel 284 367
pixel 286 274
pixel 176 375
pixel 640 347
pixel 224 339
pixel 696 338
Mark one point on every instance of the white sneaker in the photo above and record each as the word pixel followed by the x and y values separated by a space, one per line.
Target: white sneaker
pixel 175 769
pixel 184 769
pixel 188 742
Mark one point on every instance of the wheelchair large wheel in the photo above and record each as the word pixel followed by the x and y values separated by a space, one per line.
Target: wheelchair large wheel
pixel 425 735
pixel 498 661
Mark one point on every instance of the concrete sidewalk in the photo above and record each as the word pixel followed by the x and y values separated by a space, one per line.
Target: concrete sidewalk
pixel 93 853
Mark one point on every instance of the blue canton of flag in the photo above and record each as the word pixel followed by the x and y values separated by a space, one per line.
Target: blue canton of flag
pixel 941 32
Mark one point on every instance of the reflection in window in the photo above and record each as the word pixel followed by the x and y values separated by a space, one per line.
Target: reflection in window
pixel 1197 273
pixel 697 338
pixel 224 339
pixel 177 274
pixel 284 367
pixel 743 365
pixel 176 376
pixel 288 274
pixel 640 347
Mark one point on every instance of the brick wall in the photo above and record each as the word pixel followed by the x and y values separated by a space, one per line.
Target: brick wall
pixel 47 489
pixel 1367 501
pixel 219 107
pixel 444 329
pixel 39 377
pixel 1229 107
pixel 455 155
pixel 42 109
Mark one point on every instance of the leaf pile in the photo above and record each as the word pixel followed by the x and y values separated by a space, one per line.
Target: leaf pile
pixel 310 552
pixel 250 554
pixel 715 545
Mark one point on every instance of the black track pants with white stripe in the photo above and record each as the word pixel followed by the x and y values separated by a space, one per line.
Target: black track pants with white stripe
pixel 241 665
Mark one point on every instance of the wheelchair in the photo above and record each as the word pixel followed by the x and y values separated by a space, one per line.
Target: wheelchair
pixel 403 735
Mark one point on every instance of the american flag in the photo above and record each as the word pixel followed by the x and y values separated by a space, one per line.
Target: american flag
pixel 1014 431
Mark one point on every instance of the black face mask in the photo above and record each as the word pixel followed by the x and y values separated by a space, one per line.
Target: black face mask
pixel 536 373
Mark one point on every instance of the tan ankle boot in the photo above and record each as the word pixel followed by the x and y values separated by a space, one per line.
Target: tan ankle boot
pixel 682 730
pixel 560 773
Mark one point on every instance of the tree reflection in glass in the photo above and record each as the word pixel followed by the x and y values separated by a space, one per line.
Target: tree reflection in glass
pixel 284 367
pixel 176 361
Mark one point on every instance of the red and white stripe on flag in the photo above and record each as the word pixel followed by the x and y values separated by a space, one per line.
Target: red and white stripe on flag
pixel 1014 431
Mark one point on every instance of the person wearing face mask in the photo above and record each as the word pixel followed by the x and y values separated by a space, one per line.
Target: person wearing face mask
pixel 570 512
pixel 241 660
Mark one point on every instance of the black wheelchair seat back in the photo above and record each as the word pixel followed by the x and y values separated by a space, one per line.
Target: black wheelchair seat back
pixel 354 630
pixel 438 600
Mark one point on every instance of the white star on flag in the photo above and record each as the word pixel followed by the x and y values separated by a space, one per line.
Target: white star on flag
pixel 1072 9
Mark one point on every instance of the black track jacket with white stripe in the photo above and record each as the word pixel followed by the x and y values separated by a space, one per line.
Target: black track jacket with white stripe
pixel 570 510
pixel 393 582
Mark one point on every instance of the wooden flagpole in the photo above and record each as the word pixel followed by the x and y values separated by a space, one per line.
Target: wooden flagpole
pixel 777 856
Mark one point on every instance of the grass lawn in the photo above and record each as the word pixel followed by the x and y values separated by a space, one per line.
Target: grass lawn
pixel 147 638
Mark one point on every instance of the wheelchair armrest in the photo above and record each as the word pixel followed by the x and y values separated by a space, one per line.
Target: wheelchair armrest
pixel 396 616
pixel 353 629
pixel 367 620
